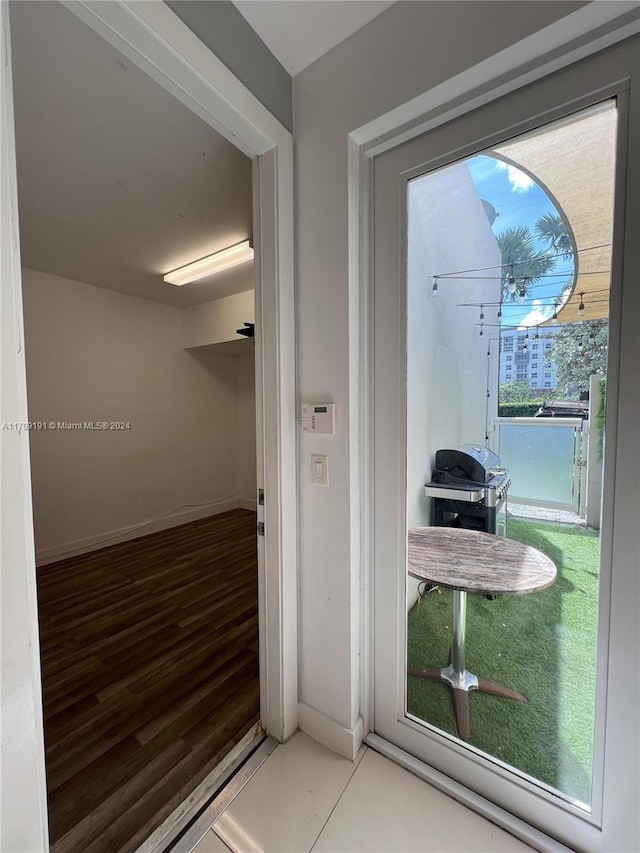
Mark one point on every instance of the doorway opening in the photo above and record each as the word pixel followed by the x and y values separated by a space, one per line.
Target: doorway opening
pixel 143 440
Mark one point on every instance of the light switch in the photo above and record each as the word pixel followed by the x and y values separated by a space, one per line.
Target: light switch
pixel 319 469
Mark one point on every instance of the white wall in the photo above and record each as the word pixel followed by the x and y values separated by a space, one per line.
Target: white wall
pixel 404 52
pixel 246 407
pixel 448 231
pixel 96 355
pixel 216 321
pixel 447 359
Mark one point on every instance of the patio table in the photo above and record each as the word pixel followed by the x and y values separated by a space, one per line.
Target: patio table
pixel 472 561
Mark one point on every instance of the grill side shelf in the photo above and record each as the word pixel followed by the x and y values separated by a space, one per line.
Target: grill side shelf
pixel 433 490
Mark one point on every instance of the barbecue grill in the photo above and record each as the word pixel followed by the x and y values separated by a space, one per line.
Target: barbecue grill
pixel 469 489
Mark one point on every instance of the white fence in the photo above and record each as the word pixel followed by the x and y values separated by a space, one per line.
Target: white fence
pixel 546 458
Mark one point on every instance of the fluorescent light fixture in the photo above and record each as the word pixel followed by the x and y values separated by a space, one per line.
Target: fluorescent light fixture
pixel 224 260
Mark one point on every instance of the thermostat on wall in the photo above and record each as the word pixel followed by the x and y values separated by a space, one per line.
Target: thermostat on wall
pixel 319 417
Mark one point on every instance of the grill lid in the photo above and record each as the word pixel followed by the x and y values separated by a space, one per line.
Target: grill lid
pixel 469 462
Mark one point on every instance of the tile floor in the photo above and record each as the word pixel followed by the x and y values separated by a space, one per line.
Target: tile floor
pixel 305 797
pixel 543 513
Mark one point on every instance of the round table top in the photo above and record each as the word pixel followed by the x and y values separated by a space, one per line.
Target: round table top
pixel 473 561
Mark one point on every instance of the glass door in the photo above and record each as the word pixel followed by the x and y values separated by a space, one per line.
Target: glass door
pixel 496 328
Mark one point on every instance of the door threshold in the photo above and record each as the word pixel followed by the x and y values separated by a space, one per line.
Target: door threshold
pixel 181 829
pixel 522 830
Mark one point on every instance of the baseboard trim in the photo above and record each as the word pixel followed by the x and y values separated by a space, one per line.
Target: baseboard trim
pixel 125 534
pixel 329 732
pixel 248 503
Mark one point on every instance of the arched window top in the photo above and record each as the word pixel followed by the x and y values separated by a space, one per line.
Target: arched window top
pixel 539 253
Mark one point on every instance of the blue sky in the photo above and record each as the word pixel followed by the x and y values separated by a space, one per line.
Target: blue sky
pixel 518 200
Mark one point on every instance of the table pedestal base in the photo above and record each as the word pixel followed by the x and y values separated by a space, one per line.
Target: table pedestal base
pixel 457 676
pixel 462 683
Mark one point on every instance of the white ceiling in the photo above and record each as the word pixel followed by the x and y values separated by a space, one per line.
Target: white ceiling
pixel 298 32
pixel 118 182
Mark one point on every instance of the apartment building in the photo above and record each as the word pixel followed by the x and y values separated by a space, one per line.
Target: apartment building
pixel 524 357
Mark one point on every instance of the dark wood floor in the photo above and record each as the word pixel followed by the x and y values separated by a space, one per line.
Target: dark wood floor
pixel 150 676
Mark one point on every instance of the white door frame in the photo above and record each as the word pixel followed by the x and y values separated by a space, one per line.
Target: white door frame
pixel 155 39
pixel 581 34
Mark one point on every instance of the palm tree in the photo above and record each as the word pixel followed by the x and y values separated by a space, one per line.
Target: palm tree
pixel 551 229
pixel 522 264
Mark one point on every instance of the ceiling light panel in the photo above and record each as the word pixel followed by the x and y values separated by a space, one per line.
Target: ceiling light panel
pixel 212 264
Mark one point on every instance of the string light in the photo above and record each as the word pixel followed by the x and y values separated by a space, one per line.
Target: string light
pixel 581 306
pixel 544 300
pixel 512 327
pixel 523 290
pixel 450 276
pixel 519 263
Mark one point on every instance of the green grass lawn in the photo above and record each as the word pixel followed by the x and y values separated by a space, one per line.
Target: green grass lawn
pixel 542 645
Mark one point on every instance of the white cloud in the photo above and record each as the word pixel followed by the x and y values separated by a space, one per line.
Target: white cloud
pixel 537 314
pixel 519 181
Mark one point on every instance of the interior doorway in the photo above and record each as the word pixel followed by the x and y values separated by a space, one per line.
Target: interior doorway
pixel 142 400
pixel 261 197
